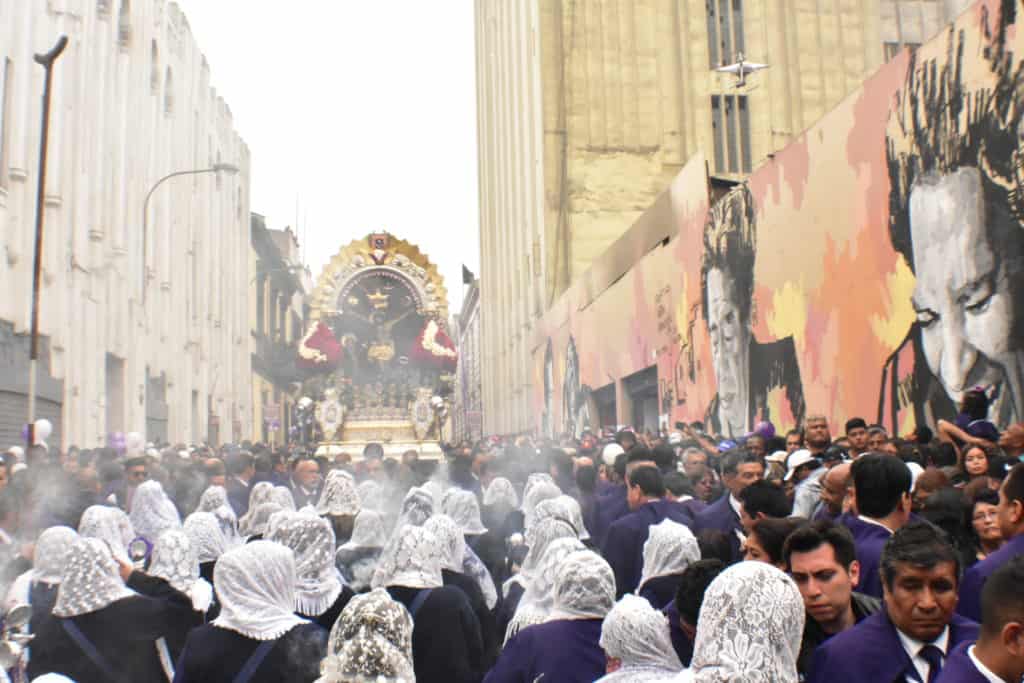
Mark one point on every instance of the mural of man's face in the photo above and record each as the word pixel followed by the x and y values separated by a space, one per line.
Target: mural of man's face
pixel 962 298
pixel 730 348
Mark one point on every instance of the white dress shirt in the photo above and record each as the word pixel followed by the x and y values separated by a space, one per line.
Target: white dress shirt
pixel 913 648
pixel 737 506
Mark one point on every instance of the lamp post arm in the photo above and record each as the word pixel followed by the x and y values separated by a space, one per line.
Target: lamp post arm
pixel 145 216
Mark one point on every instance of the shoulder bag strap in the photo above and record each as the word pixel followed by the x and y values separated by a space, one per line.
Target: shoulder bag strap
pixel 253 663
pixel 86 646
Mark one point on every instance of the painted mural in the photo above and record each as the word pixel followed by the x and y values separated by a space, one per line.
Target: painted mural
pixel 873 267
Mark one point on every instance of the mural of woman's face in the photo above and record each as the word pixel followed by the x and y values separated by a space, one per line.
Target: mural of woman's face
pixel 962 297
pixel 729 334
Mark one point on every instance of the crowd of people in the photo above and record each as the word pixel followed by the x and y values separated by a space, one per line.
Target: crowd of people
pixel 614 556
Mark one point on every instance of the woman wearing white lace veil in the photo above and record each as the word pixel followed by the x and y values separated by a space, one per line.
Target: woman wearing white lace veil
pixel 452 549
pixel 357 559
pixel 670 548
pixel 207 540
pixel 541 490
pixel 174 560
pixel 213 497
pixel 259 519
pixel 565 646
pixel 262 492
pixel 320 593
pixel 417 507
pixel 371 495
pixel 257 628
pixel 339 503
pixel 446 640
pixel 637 644
pixel 750 627
pixel 153 512
pixel 499 501
pixel 228 525
pixel 109 524
pixel 371 641
pixel 563 507
pixel 107 619
pixel 538 598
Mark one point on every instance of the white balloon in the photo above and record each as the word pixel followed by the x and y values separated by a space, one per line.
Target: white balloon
pixel 43 430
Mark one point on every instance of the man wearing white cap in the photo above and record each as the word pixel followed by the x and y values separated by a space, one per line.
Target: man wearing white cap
pixel 805 471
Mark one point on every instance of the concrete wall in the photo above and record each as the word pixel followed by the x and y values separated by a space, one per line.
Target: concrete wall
pixel 874 267
pixel 132 102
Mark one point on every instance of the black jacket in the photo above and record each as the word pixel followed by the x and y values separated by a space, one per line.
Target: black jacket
pixel 216 655
pixel 446 642
pixel 124 633
pixel 863 606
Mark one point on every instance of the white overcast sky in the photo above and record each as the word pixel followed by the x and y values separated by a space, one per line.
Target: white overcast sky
pixel 363 110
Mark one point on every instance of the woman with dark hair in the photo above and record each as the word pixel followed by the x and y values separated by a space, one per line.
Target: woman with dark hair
pixel 984 524
pixel 975 464
pixel 767 536
pixel 945 509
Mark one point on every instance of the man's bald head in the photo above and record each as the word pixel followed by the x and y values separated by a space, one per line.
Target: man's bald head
pixel 834 487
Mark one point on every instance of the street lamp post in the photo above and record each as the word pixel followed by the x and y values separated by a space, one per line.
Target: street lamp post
pixel 230 169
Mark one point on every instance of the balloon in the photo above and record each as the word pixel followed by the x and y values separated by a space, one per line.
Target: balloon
pixel 43 430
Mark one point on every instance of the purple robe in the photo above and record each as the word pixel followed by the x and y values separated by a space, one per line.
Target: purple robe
pixel 564 650
pixel 624 545
pixel 959 668
pixel 870 539
pixel 681 642
pixel 872 651
pixel 608 508
pixel 975 577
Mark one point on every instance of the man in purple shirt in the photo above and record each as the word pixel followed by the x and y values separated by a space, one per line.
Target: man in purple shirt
pixel 998 656
pixel 1011 521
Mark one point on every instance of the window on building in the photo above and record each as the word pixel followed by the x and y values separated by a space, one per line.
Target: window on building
pixel 6 87
pixel 730 122
pixel 103 8
pixel 168 92
pixel 893 49
pixel 154 69
pixel 124 25
pixel 725 31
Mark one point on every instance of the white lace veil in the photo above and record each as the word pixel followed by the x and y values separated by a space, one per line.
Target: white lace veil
pixel 282 495
pixel 750 627
pixel 317 582
pixel 538 538
pixel 91 579
pixel 339 496
pixel 257 520
pixel 409 559
pixel 670 548
pixel 374 617
pixel 213 497
pixel 109 524
pixel 500 492
pixel 371 495
pixel 417 507
pixel 533 496
pixel 539 597
pixel 175 561
pixel 533 480
pixel 562 507
pixel 638 635
pixel 51 554
pixel 463 507
pixel 255 583
pixel 205 536
pixel 451 543
pixel 228 525
pixel 474 567
pixel 584 587
pixel 367 532
pixel 261 493
pixel 152 511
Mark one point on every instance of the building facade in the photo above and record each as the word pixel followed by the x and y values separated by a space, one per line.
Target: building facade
pixel 468 412
pixel 279 287
pixel 144 317
pixel 587 111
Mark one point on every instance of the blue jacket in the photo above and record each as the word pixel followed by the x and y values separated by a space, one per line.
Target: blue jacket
pixel 959 668
pixel 624 545
pixel 871 652
pixel 721 517
pixel 564 650
pixel 975 577
pixel 870 539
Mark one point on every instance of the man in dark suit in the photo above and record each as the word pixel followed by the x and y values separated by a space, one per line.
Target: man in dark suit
pixel 1011 521
pixel 910 639
pixel 613 504
pixel 241 469
pixel 999 653
pixel 624 546
pixel 740 468
pixel 305 482
pixel 882 492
